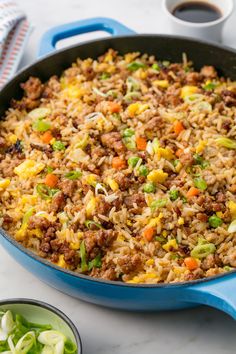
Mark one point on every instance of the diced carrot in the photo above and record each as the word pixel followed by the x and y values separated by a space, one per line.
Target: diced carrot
pixel 191 263
pixel 118 163
pixel 149 233
pixel 179 152
pixel 113 107
pixel 51 180
pixel 47 137
pixel 192 192
pixel 178 127
pixel 141 143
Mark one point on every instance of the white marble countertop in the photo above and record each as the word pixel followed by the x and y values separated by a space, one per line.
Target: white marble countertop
pixel 103 331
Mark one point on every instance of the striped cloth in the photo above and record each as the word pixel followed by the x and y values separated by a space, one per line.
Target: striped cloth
pixel 14 33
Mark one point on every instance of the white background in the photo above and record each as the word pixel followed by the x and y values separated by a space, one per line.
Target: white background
pixel 103 331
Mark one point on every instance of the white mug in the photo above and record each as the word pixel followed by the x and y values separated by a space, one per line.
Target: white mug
pixel 205 30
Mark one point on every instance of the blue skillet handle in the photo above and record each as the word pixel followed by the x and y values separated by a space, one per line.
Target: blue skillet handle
pixel 219 293
pixel 55 34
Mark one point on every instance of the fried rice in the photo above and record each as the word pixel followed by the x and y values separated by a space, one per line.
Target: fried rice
pixel 123 169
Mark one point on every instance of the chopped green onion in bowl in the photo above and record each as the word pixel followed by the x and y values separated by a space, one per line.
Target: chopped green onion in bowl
pixel 21 334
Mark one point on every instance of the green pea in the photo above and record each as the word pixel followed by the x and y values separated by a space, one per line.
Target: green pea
pixel 200 183
pixel 58 145
pixel 149 188
pixel 143 170
pixel 135 65
pixel 215 221
pixel 174 194
pixel 127 133
pixel 132 161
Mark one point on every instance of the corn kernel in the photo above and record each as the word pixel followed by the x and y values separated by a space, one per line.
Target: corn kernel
pixel 219 214
pixel 4 183
pixel 112 184
pixel 155 221
pixel 120 238
pixel 164 233
pixel 29 199
pixel 178 167
pixel 91 206
pixel 91 179
pixel 181 221
pixel 232 208
pixel 201 146
pixel 61 262
pixel 12 138
pixel 75 245
pixel 150 262
pixel 157 176
pixel 161 83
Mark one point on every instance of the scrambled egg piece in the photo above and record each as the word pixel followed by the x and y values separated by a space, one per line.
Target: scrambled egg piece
pixel 137 108
pixel 171 244
pixel 157 176
pixel 188 91
pixel 161 83
pixel 29 168
pixel 4 183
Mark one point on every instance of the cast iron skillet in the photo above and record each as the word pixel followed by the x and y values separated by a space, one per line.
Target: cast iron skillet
pixel 218 291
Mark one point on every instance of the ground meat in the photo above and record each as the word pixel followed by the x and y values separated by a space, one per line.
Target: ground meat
pixel 208 262
pixel 229 97
pixel 40 222
pixel 113 141
pixel 58 202
pixel 154 123
pixel 15 148
pixel 51 87
pixel 220 197
pixel 2 142
pixel 102 207
pixel 123 181
pixel 226 124
pixel 33 88
pixel 107 272
pixel 138 199
pixel 68 187
pixel 25 104
pixel 193 78
pixel 97 241
pixel 186 159
pixel 208 72
pixel 7 167
pixel 129 263
pixel 45 148
pixel 202 217
pixel 7 221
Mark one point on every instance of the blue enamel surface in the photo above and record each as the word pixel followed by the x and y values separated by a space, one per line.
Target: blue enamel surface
pixel 55 34
pixel 219 292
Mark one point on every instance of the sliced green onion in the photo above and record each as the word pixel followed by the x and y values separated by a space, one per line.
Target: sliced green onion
pixel 49 169
pixel 149 188
pixel 73 175
pixel 7 322
pixel 202 251
pixel 58 145
pixel 135 65
pixel 105 76
pixel 51 337
pixel 160 239
pixel 130 96
pixel 226 142
pixel 25 343
pixel 39 113
pixel 200 161
pixel 210 86
pixel 132 161
pixel 41 125
pixel 232 227
pixel 89 223
pixel 127 133
pixel 130 143
pixel 143 170
pixel 84 265
pixel 156 204
pixel 173 194
pixel 215 221
pixel 156 67
pixel 46 192
pixel 175 163
pixel 95 263
pixel 200 183
pixel 227 268
pixel 70 347
pixel 132 84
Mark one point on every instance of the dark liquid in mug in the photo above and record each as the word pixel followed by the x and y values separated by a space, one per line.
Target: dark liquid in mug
pixel 197 11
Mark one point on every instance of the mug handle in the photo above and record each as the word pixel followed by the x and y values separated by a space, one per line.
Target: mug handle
pixel 219 293
pixel 55 34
